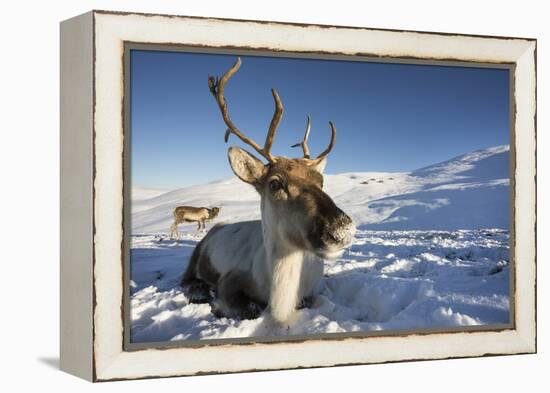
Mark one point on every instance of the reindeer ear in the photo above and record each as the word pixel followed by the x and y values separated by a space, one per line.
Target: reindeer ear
pixel 247 167
pixel 320 166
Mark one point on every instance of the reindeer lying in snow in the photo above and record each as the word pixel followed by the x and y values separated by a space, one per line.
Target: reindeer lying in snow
pixel 199 215
pixel 275 263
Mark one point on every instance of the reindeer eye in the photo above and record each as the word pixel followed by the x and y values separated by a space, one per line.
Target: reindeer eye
pixel 275 185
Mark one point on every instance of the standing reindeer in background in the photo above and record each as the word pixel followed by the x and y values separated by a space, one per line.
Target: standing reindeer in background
pixel 276 262
pixel 199 215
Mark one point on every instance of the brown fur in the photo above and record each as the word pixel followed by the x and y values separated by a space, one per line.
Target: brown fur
pixel 236 290
pixel 200 215
pixel 297 170
pixel 278 259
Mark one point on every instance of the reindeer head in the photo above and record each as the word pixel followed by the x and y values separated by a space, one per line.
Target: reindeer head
pixel 295 209
pixel 213 212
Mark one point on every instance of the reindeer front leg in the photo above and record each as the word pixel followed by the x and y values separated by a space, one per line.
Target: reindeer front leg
pixel 233 292
pixel 174 231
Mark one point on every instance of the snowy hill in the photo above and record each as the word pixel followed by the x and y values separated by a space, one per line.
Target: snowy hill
pixel 389 279
pixel 140 194
pixel 466 192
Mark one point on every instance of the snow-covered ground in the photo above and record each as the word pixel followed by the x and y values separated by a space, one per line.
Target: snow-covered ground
pixel 431 251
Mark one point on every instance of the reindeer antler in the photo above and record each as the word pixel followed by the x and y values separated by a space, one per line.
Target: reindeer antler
pixel 331 143
pixel 217 87
pixel 305 147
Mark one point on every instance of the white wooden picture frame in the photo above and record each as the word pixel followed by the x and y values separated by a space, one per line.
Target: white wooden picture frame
pixel 93 284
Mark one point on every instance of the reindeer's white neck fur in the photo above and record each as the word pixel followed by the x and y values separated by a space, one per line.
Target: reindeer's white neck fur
pixel 285 286
pixel 286 264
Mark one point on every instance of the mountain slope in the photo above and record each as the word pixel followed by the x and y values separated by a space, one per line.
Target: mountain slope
pixel 466 192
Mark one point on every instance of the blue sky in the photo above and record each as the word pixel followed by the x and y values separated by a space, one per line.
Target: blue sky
pixel 389 117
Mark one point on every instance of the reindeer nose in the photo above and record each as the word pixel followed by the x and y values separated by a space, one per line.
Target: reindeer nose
pixel 346 220
pixel 343 220
pixel 343 229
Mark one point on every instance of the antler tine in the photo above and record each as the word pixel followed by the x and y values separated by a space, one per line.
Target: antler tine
pixel 330 145
pixel 274 124
pixel 217 87
pixel 304 145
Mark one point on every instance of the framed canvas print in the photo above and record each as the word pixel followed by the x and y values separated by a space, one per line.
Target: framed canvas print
pixel 246 195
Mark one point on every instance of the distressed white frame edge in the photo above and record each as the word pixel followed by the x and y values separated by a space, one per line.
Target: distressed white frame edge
pixel 76 178
pixel 111 362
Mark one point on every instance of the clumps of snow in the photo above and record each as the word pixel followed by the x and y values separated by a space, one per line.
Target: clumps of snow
pixel 387 280
pixel 447 317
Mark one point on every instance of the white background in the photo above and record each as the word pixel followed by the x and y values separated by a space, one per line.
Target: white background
pixel 29 224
